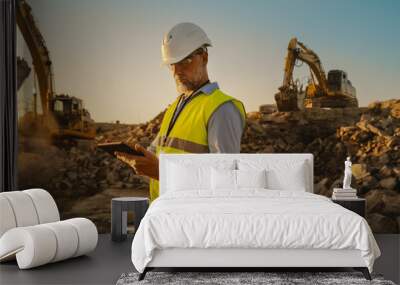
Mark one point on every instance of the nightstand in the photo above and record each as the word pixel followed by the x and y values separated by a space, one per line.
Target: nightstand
pixel 119 215
pixel 355 205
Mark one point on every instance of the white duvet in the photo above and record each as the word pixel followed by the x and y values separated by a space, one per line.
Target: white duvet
pixel 250 218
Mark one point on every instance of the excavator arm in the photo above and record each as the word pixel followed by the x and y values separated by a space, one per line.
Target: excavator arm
pixel 39 52
pixel 311 58
pixel 290 63
pixel 298 51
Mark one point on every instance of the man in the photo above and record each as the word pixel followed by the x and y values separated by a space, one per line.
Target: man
pixel 202 119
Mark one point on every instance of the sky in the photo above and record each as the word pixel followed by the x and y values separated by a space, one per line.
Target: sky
pixel 108 53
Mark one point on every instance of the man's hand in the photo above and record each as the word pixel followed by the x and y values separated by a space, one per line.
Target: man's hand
pixel 143 165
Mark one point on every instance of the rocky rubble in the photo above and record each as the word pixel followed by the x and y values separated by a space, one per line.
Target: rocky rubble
pixel 141 133
pixel 73 174
pixel 370 136
pixel 375 146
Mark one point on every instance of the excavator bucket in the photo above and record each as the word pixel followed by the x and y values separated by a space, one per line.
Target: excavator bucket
pixel 289 100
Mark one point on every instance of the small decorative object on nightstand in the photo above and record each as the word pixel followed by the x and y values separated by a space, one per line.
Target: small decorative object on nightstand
pixel 357 205
pixel 347 174
pixel 346 192
pixel 119 214
pixel 347 196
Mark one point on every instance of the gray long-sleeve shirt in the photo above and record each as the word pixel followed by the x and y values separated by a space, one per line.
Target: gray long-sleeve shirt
pixel 225 126
pixel 225 129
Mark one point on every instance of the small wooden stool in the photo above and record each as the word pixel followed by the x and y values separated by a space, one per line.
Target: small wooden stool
pixel 119 215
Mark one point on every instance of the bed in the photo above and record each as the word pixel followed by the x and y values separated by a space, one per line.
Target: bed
pixel 246 211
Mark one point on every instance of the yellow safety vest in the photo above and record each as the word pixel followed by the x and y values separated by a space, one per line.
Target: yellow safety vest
pixel 189 133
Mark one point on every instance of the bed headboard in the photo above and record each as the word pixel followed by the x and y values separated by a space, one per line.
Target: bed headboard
pixel 308 158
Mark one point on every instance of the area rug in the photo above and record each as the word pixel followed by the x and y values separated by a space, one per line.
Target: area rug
pixel 243 278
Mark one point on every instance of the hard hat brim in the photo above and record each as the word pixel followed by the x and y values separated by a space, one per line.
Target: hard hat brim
pixel 178 59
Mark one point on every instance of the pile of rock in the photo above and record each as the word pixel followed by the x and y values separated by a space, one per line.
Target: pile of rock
pixel 72 174
pixel 308 131
pixel 375 145
pixel 141 133
pixel 370 136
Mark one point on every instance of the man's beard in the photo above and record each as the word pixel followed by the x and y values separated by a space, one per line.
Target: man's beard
pixel 185 86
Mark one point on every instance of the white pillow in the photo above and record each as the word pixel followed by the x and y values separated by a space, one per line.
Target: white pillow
pixel 223 179
pixel 251 178
pixel 181 177
pixel 193 174
pixel 293 179
pixel 281 174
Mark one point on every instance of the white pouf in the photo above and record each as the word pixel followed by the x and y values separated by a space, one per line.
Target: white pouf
pixel 31 230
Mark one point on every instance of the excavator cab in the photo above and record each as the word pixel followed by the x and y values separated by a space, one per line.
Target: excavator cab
pixel 338 82
pixel 67 105
pixel 65 109
pixel 335 79
pixel 71 117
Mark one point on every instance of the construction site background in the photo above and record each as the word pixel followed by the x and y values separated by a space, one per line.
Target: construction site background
pixel 83 179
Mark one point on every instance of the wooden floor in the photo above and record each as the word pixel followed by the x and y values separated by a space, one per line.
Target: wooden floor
pixel 111 259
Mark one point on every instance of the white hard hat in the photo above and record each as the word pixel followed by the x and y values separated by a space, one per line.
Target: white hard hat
pixel 182 40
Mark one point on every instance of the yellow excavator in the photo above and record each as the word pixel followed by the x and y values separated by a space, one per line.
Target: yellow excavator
pixel 334 91
pixel 63 116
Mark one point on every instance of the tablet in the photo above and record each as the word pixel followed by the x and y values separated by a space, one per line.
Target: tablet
pixel 120 147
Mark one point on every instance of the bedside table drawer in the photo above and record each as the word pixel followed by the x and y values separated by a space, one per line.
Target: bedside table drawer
pixel 357 206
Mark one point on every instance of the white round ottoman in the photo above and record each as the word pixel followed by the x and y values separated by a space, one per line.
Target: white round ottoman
pixel 31 230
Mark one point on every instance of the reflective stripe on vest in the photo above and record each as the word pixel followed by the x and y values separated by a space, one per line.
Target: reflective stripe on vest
pixel 189 133
pixel 185 145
